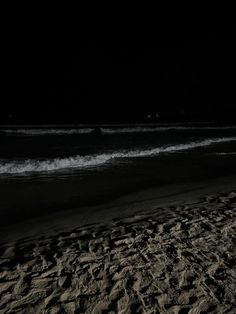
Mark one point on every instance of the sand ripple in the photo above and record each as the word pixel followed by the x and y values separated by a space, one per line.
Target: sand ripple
pixel 185 263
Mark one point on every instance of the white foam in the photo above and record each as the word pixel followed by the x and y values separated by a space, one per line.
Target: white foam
pixel 38 132
pixel 131 130
pixel 226 154
pixel 31 165
pixel 160 129
pixel 47 131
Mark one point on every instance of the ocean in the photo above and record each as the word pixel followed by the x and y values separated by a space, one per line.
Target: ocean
pixel 45 170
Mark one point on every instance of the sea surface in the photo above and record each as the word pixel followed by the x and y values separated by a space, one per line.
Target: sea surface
pixel 50 169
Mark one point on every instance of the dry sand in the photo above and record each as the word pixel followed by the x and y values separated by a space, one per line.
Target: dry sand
pixel 183 261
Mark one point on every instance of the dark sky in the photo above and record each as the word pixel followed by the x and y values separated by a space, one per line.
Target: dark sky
pixel 71 72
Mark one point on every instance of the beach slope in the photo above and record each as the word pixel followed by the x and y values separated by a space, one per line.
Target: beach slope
pixel 174 259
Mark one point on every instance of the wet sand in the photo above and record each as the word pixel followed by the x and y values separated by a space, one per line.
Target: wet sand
pixel 150 254
pixel 32 197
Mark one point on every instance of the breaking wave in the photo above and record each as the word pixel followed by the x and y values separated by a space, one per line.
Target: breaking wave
pixel 136 129
pixel 160 129
pixel 32 165
pixel 37 132
pixel 226 154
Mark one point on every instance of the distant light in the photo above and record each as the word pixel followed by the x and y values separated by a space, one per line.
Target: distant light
pixel 149 116
pixel 157 115
pixel 10 115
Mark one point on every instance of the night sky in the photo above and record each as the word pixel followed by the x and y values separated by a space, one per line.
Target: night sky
pixel 182 69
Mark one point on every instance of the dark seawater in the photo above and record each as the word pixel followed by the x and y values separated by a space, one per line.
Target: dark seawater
pixel 43 171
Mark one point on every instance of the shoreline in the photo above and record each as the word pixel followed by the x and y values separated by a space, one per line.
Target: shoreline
pixel 122 206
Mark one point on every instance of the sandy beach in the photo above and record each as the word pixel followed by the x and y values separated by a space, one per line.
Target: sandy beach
pixel 118 162
pixel 178 258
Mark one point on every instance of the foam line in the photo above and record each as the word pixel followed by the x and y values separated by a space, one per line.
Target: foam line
pixel 31 165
